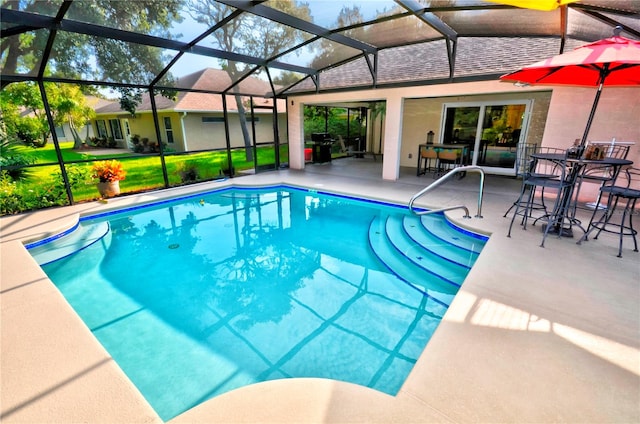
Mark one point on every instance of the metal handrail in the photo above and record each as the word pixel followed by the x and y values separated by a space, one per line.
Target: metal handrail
pixel 443 180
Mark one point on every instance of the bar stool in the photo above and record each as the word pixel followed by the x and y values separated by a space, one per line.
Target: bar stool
pixel 547 171
pixel 599 174
pixel 523 162
pixel 627 194
pixel 427 154
pixel 448 158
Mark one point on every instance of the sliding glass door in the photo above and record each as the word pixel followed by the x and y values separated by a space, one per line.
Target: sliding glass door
pixel 491 130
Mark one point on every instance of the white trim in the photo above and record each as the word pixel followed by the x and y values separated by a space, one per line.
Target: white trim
pixel 184 132
pixel 483 105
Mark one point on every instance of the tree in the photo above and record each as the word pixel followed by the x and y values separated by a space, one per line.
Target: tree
pixel 66 103
pixel 285 79
pixel 330 50
pixel 72 53
pixel 70 107
pixel 250 35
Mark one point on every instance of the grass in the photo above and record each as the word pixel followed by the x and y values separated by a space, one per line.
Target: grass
pixel 144 172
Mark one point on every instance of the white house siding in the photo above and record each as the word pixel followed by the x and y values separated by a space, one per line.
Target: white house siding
pixel 211 135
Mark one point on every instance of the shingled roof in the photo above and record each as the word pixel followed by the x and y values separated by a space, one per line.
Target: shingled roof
pixel 208 79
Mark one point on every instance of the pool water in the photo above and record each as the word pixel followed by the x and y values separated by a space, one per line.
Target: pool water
pixel 203 295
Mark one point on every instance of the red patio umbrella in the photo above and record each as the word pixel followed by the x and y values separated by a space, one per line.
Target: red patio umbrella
pixel 611 61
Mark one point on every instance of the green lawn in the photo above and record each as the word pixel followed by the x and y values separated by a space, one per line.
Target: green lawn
pixel 144 172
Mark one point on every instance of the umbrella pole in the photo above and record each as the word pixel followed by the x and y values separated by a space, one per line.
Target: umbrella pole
pixel 603 74
pixel 583 142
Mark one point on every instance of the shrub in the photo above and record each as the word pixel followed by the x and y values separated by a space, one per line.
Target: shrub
pixel 11 156
pixel 188 171
pixel 16 197
pixel 30 131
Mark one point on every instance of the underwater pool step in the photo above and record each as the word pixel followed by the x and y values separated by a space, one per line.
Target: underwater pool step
pixel 432 256
pixel 78 239
pixel 445 231
pixel 419 234
pixel 414 275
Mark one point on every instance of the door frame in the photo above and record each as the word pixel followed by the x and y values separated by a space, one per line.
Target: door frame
pixel 483 106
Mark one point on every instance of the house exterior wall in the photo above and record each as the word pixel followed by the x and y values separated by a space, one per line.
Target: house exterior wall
pixel 617 116
pixel 190 127
pixel 142 124
pixel 84 132
pixel 568 109
pixel 211 135
pixel 425 114
pixel 106 118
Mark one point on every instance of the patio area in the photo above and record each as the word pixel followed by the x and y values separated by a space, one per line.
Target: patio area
pixel 534 335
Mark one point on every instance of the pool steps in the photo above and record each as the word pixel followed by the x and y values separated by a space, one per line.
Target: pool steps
pixel 422 255
pixel 80 238
pixel 419 234
pixel 444 230
pixel 405 245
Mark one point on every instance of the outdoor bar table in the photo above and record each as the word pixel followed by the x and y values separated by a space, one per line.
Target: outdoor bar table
pixel 464 153
pixel 578 165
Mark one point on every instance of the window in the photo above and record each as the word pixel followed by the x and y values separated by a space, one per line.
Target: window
pixel 168 129
pixel 490 130
pixel 220 120
pixel 102 128
pixel 116 130
pixel 212 120
pixel 60 132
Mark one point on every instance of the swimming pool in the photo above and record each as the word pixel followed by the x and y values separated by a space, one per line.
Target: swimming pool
pixel 198 296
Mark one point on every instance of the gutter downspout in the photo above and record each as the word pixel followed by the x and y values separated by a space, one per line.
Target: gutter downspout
pixel 184 133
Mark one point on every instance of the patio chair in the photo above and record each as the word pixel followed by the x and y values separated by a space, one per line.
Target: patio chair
pixel 627 193
pixel 349 150
pixel 548 170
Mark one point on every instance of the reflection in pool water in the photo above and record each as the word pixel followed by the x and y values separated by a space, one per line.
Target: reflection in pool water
pixel 197 297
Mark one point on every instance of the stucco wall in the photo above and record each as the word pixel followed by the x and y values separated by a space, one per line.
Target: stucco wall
pixel 617 116
pixel 425 114
pixel 211 135
pixel 568 110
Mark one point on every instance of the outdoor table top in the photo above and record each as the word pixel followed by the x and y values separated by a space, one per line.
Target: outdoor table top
pixel 445 146
pixel 603 161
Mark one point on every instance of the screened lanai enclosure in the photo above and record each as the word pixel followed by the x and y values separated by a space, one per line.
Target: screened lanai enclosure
pixel 179 91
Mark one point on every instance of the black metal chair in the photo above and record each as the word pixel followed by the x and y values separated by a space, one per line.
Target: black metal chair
pixel 597 173
pixel 548 170
pixel 626 193
pixel 523 159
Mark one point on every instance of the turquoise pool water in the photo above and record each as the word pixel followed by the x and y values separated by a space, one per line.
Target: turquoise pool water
pixel 203 295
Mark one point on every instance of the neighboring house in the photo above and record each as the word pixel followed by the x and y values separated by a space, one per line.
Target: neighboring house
pixel 194 121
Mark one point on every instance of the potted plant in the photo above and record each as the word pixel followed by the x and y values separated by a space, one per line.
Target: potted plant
pixel 109 173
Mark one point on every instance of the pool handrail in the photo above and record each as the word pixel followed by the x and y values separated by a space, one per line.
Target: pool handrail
pixel 442 180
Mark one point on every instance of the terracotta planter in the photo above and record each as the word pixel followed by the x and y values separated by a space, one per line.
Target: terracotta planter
pixel 109 189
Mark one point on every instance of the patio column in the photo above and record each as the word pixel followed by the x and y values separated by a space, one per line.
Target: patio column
pixel 392 137
pixel 295 128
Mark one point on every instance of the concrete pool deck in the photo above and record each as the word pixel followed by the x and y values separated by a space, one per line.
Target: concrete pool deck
pixel 535 334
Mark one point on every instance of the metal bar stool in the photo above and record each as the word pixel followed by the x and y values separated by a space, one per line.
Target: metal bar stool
pixel 627 194
pixel 547 171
